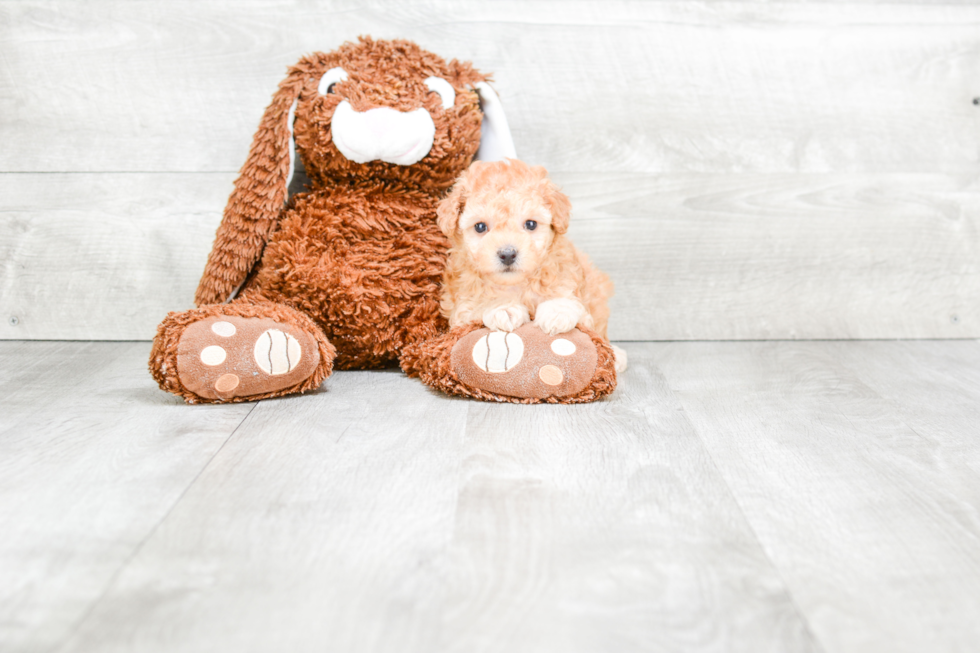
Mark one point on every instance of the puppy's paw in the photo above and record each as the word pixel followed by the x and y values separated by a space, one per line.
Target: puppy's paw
pixel 559 315
pixel 506 318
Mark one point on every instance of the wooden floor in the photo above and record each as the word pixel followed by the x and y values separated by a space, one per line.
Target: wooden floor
pixel 751 496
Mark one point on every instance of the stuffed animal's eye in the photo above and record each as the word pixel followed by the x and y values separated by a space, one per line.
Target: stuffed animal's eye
pixel 444 89
pixel 480 227
pixel 530 225
pixel 330 79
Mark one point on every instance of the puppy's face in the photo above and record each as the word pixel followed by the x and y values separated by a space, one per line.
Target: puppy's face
pixel 504 216
pixel 506 235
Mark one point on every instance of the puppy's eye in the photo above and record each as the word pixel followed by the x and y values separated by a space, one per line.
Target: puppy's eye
pixel 480 227
pixel 530 225
pixel 330 79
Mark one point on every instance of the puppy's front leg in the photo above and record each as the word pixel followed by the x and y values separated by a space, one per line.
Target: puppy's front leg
pixel 559 315
pixel 507 317
pixel 461 314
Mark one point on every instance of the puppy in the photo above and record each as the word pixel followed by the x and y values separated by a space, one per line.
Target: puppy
pixel 510 261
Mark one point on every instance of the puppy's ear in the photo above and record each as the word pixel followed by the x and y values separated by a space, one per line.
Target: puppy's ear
pixel 451 207
pixel 559 205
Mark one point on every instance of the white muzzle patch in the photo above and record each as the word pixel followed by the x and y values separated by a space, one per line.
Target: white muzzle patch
pixel 382 134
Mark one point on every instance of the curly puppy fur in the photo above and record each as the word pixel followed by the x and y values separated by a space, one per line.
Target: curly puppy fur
pixel 511 261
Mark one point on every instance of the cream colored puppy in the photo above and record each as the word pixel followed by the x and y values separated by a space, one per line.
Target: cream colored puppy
pixel 510 261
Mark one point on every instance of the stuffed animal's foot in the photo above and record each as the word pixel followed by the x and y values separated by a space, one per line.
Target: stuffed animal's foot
pixel 526 363
pixel 239 352
pixel 523 366
pixel 228 356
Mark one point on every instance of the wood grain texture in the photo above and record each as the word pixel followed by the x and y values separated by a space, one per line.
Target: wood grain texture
pixel 744 170
pixel 933 387
pixel 651 87
pixel 729 496
pixel 102 257
pixel 423 523
pixel 92 457
pixel 868 519
pixel 605 527
pixel 321 525
pixel 698 257
pixel 92 256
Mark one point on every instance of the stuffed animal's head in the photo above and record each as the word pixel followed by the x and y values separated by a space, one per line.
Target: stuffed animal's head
pixel 388 110
pixel 384 110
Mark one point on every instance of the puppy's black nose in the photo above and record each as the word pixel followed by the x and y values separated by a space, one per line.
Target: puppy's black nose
pixel 507 255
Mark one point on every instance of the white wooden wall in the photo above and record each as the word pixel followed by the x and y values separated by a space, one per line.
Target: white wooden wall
pixel 742 169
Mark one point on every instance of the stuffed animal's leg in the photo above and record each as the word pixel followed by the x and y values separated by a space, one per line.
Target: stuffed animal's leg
pixel 239 352
pixel 523 366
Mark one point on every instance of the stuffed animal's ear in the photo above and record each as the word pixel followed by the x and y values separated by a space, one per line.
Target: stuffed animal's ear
pixel 496 143
pixel 450 208
pixel 260 193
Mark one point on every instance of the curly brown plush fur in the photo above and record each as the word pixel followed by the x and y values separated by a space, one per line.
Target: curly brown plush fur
pixel 353 264
pixel 382 73
pixel 365 261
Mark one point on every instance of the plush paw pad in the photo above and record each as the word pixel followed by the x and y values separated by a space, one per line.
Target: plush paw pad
pixel 526 363
pixel 229 356
pixel 277 352
pixel 498 351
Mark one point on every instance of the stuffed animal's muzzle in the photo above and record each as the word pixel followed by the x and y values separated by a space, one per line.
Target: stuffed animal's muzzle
pixel 382 134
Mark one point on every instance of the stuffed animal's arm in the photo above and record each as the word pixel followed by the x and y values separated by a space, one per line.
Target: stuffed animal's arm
pixel 237 247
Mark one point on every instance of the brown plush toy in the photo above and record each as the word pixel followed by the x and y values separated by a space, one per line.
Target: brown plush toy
pixel 347 274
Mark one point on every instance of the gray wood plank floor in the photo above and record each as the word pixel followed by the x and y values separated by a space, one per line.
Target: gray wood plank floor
pixel 753 496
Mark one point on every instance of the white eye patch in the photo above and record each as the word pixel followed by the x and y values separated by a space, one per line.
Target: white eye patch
pixel 444 89
pixel 331 77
